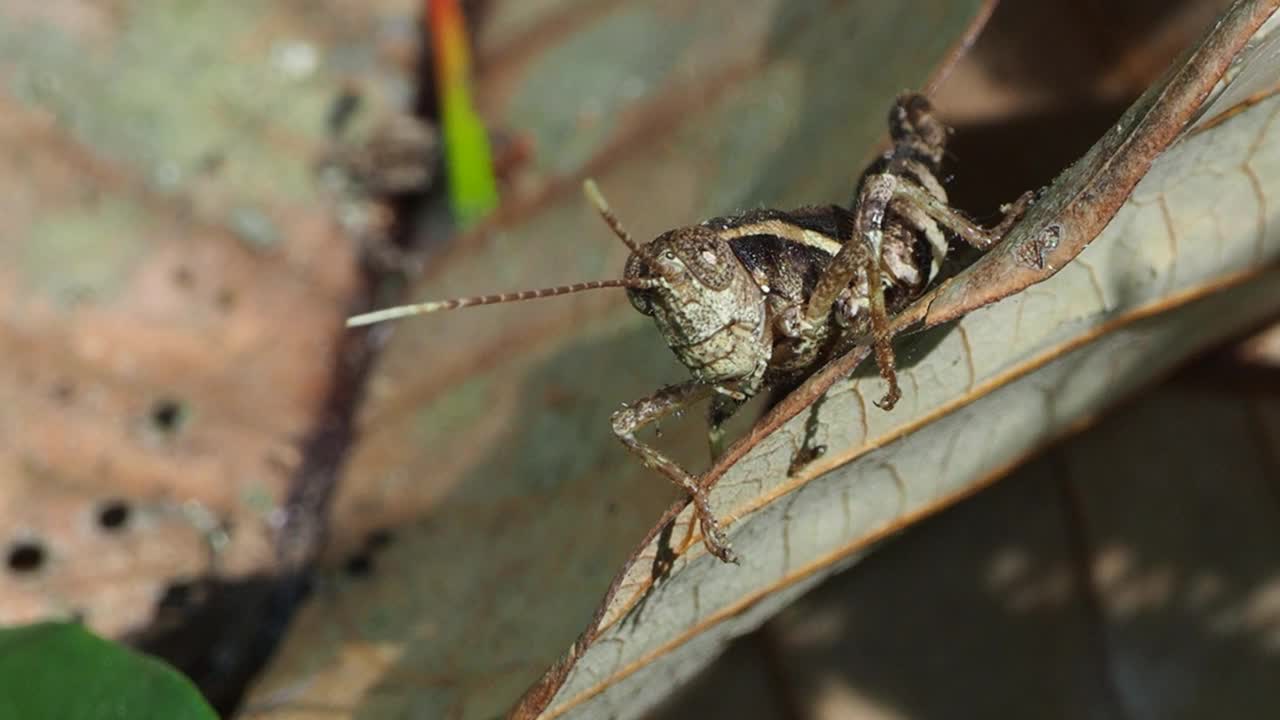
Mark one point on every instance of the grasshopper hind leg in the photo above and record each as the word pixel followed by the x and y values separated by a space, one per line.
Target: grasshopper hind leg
pixel 862 253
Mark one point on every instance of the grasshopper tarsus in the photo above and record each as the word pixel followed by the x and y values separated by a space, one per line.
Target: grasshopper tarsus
pixel 889 400
pixel 764 298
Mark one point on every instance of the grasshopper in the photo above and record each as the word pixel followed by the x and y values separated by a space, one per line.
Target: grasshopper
pixel 764 298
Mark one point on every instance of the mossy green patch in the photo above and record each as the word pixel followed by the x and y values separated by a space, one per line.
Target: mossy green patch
pixel 463 406
pixel 85 253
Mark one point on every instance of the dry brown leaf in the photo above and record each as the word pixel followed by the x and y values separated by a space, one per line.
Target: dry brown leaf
pixel 172 283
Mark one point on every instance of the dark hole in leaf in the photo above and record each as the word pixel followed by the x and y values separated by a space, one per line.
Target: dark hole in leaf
pixel 183 277
pixel 178 596
pixel 210 162
pixel 359 565
pixel 226 300
pixel 167 415
pixel 342 110
pixel 113 515
pixel 26 556
pixel 378 539
pixel 64 392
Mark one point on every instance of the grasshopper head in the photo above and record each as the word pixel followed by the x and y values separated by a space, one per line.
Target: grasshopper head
pixel 706 305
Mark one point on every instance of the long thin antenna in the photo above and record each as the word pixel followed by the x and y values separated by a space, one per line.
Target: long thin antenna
pixel 401 311
pixel 595 197
pixel 592 191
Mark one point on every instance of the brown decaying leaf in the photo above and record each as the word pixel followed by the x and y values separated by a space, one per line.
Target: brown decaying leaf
pixel 172 284
pixel 973 388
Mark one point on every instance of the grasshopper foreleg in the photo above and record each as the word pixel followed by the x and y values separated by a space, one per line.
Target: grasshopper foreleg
pixel 630 419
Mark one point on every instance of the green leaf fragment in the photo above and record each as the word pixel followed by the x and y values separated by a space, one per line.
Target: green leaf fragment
pixel 61 670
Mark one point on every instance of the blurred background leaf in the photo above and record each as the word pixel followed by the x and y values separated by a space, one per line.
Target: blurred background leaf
pixel 174 270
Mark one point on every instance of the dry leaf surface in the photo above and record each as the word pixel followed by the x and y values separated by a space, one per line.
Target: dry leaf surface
pixel 172 283
pixel 1129 572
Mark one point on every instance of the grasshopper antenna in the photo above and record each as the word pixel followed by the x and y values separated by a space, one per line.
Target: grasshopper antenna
pixel 400 311
pixel 595 197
